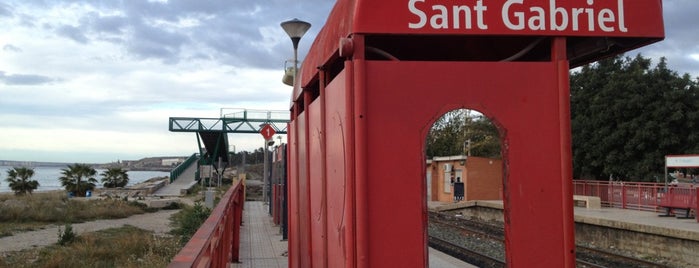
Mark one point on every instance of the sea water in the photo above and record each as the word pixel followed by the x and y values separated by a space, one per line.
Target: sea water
pixel 48 177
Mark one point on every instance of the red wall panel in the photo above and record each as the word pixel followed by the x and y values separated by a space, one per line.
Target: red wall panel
pixel 520 97
pixel 337 187
pixel 316 185
pixel 292 195
pixel 304 237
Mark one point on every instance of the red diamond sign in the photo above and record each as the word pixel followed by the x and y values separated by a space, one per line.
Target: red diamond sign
pixel 267 131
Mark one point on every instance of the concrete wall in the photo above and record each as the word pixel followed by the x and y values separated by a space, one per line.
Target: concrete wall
pixel 483 179
pixel 643 243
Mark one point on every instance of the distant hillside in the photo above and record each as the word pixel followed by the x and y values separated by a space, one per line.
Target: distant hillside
pixel 12 163
pixel 160 163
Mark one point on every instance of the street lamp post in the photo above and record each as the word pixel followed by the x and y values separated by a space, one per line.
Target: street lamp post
pixel 267 186
pixel 295 29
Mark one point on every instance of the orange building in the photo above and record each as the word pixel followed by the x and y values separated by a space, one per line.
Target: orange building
pixel 482 178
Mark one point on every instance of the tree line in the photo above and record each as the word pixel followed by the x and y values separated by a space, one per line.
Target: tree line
pixel 626 115
pixel 460 132
pixel 77 179
pixel 251 158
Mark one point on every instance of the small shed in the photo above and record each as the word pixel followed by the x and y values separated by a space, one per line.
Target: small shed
pixel 482 177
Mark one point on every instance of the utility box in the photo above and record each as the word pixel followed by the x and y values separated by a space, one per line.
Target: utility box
pixel 380 73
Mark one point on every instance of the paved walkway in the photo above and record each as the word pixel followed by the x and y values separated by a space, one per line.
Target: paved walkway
pixel 261 244
pixel 641 221
pixel 439 259
pixel 630 219
pixel 184 181
pixel 158 222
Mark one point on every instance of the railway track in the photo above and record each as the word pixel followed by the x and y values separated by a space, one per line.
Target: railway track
pixel 482 244
pixel 595 258
pixel 465 254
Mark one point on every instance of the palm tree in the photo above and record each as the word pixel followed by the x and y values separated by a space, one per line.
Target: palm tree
pixel 19 179
pixel 115 177
pixel 78 178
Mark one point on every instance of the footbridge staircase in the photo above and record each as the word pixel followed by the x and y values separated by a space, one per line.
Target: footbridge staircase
pixel 212 133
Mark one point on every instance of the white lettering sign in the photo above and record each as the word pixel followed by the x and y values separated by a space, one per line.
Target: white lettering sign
pixel 682 161
pixel 516 15
pixel 441 16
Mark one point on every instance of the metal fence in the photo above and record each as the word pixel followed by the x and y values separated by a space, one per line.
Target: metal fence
pixel 653 197
pixel 217 242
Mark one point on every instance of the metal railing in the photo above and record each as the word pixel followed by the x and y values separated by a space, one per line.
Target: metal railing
pixel 634 195
pixel 249 114
pixel 217 242
pixel 231 124
pixel 179 169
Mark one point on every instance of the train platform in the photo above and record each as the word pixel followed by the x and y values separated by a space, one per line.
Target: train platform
pixel 628 219
pixel 438 259
pixel 261 244
pixel 644 232
pixel 642 221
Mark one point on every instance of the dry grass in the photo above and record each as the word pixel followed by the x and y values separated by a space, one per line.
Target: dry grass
pixel 31 212
pixel 127 246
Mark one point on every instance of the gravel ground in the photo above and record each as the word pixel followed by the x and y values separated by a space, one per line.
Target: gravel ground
pixel 158 222
pixel 473 241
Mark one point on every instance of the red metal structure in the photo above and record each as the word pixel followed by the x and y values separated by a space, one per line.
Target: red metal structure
pixel 279 178
pixel 654 197
pixel 216 243
pixel 380 73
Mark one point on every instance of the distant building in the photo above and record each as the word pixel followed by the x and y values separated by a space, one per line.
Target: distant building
pixel 172 161
pixel 482 178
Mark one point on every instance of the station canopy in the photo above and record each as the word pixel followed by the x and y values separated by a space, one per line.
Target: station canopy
pixel 483 30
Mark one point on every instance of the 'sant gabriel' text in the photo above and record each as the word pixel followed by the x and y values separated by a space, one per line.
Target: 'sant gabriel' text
pixel 517 15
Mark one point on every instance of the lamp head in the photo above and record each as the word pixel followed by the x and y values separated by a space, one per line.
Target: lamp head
pixel 295 29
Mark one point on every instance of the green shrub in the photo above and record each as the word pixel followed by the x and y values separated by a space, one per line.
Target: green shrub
pixel 66 236
pixel 187 221
pixel 173 205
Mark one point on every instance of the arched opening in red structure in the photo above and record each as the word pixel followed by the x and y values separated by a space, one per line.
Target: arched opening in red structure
pixel 463 185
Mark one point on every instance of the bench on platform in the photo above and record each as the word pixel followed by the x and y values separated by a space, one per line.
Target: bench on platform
pixel 672 212
pixel 593 202
pixel 679 199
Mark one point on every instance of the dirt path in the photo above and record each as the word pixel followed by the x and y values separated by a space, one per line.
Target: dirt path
pixel 158 222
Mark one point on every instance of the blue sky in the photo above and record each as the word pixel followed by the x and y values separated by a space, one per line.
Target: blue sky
pixel 96 81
